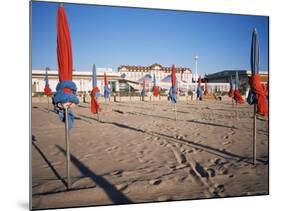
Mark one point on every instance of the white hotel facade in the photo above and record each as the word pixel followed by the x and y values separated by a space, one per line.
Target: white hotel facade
pixel 137 72
pixel 125 76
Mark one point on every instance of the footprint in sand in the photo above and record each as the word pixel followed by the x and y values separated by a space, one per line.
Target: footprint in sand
pixel 181 166
pixel 117 173
pixel 171 167
pixel 200 169
pixel 111 149
pixel 190 151
pixel 156 138
pixel 179 137
pixel 88 155
pixel 226 142
pixel 181 179
pixel 217 189
pixel 155 182
pixel 232 131
pixel 211 172
pixel 121 187
pixel 147 138
pixel 180 157
pixel 164 198
pixel 221 167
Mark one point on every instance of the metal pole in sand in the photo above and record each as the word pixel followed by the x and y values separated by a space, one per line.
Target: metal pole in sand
pixel 98 115
pixel 236 110
pixel 48 104
pixel 175 106
pixel 130 92
pixel 67 148
pixel 254 134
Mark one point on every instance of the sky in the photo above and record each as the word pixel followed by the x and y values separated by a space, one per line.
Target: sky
pixel 114 36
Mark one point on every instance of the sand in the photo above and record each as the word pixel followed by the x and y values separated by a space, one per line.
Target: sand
pixel 138 152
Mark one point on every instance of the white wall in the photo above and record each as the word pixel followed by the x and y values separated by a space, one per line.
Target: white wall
pixel 81 84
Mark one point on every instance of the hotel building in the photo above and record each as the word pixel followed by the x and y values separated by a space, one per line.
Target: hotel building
pixel 135 73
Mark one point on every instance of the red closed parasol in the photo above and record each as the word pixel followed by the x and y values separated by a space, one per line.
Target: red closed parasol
pixel 66 89
pixel 174 79
pixel 105 79
pixel 64 49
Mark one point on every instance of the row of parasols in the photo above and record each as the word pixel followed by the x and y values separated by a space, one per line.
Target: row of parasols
pixel 65 95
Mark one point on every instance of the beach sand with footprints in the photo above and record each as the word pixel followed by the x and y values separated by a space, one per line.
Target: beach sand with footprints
pixel 137 152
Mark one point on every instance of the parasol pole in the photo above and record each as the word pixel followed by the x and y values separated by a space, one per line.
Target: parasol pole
pixel 175 107
pixel 254 134
pixel 236 110
pixel 67 148
pixel 98 115
pixel 153 99
pixel 48 104
pixel 130 92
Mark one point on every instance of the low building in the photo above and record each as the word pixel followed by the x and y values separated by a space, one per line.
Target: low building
pixel 224 76
pixel 82 79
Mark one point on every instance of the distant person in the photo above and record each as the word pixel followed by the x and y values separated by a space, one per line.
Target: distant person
pixel 84 97
pixel 199 93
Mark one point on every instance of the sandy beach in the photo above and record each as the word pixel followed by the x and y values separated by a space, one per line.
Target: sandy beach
pixel 137 152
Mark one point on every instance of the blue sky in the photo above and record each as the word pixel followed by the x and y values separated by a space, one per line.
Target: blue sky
pixel 113 36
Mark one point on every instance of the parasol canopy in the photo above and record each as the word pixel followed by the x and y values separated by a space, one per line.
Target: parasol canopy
pixel 106 89
pixel 199 88
pixel 66 89
pixel 95 93
pixel 143 88
pixel 236 94
pixel 231 90
pixel 257 95
pixel 173 90
pixel 155 87
pixel 47 89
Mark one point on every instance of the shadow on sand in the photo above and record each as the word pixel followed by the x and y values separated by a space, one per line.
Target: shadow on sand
pixel 116 196
pixel 47 161
pixel 211 124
